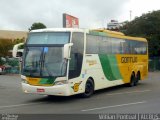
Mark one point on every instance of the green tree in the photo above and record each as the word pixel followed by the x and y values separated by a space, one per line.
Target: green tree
pixel 5 46
pixel 1 62
pixel 146 26
pixel 37 26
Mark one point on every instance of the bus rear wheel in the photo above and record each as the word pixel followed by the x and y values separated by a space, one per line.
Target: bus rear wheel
pixel 132 80
pixel 138 77
pixel 89 88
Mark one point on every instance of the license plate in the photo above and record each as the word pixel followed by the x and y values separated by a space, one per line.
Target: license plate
pixel 40 90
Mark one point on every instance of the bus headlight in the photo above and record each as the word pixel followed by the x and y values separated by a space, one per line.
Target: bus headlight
pixel 24 81
pixel 61 82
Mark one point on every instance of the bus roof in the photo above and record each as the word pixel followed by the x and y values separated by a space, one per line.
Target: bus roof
pixel 116 35
pixel 60 30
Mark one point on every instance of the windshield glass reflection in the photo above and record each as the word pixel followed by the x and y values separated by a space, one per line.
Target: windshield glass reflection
pixel 44 62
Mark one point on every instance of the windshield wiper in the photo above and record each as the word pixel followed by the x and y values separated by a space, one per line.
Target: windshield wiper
pixel 45 65
pixel 48 71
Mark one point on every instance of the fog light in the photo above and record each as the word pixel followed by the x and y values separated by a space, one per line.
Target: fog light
pixel 25 91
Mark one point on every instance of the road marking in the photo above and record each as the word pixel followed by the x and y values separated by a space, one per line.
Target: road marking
pixel 18 105
pixel 130 92
pixel 121 105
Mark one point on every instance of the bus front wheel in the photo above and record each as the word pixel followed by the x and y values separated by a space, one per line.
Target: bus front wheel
pixel 89 88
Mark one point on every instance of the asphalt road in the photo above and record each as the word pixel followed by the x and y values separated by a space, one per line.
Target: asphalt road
pixel 144 98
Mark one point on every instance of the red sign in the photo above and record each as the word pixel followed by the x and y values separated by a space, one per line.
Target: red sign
pixel 70 21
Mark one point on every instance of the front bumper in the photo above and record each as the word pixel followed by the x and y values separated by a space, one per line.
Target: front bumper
pixel 58 90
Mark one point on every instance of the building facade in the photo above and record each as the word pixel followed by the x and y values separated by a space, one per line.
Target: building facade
pixel 6 34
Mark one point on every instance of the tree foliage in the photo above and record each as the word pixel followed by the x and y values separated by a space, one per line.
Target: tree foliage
pixel 7 44
pixel 37 26
pixel 148 26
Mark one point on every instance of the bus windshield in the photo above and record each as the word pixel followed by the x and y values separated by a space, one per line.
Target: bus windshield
pixel 44 62
pixel 43 55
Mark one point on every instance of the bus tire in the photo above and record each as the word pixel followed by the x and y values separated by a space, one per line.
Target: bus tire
pixel 132 80
pixel 89 88
pixel 138 77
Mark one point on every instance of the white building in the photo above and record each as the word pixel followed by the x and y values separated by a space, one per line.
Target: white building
pixel 114 24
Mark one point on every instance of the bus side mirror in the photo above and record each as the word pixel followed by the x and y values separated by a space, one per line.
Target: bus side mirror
pixel 16 53
pixel 66 53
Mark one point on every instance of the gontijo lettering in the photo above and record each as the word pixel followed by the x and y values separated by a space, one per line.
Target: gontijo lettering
pixel 129 60
pixel 91 62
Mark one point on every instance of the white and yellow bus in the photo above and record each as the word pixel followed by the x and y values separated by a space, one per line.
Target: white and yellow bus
pixel 66 62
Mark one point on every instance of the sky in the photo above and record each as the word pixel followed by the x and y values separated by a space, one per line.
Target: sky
pixel 21 14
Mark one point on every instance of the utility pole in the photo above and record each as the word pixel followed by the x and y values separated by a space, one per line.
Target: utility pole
pixel 130 14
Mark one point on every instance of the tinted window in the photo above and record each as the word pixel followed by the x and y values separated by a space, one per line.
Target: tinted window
pixel 77 50
pixel 105 46
pixel 140 47
pixel 110 45
pixel 48 38
pixel 118 46
pixel 93 44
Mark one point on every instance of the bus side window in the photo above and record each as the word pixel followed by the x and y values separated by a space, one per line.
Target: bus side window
pixel 77 49
pixel 73 62
pixel 75 65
